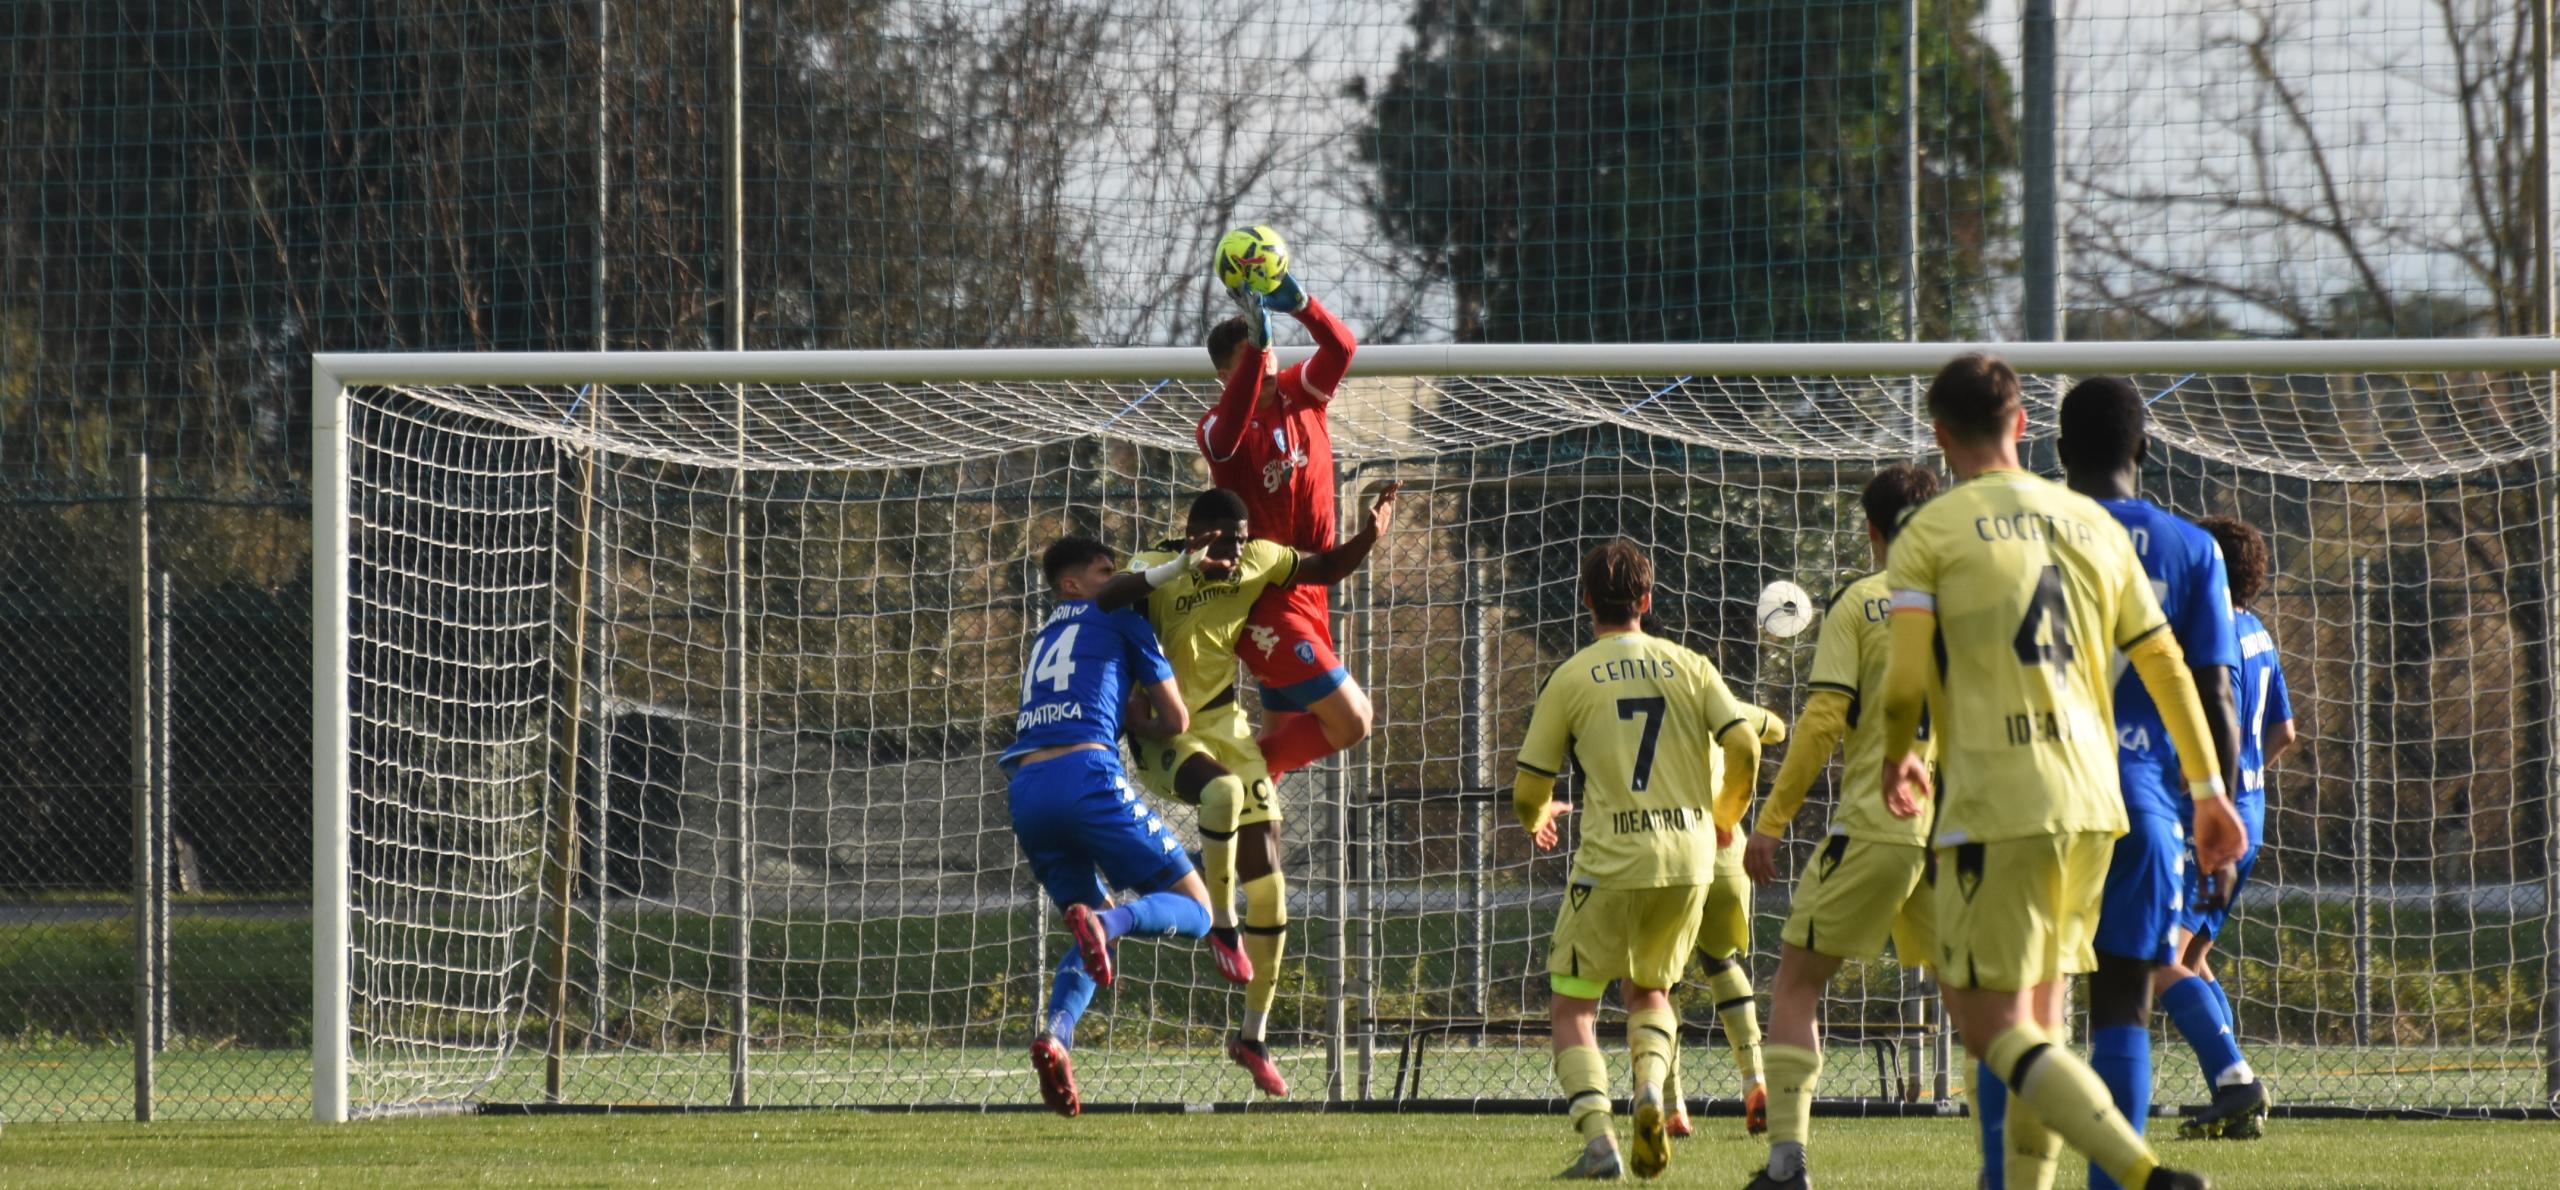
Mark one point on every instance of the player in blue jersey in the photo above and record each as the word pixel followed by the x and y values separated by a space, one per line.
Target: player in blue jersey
pixel 2103 444
pixel 1073 808
pixel 2239 1107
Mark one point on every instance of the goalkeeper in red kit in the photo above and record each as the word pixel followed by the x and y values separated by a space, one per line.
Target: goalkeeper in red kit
pixel 1267 441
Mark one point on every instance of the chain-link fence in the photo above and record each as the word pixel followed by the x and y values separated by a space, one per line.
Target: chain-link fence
pixel 195 197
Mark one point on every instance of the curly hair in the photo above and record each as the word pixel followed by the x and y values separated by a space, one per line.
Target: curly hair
pixel 2244 555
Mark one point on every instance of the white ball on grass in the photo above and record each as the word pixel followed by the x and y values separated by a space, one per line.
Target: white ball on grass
pixel 1785 609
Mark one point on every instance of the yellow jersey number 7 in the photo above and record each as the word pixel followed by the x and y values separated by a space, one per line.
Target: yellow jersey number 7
pixel 1652 709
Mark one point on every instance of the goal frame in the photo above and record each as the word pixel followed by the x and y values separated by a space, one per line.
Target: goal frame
pixel 333 374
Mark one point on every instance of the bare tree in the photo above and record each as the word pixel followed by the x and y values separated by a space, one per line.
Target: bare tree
pixel 2274 208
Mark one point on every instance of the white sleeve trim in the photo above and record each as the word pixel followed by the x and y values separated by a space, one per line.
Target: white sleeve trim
pixel 1914 601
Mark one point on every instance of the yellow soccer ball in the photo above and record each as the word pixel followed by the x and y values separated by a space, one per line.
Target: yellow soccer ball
pixel 1253 257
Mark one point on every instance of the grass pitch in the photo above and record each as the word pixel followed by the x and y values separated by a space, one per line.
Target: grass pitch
pixel 1118 1151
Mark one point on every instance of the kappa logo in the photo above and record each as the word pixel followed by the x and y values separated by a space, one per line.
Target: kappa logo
pixel 1264 637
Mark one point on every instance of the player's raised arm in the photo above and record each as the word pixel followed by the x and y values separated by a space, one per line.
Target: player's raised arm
pixel 1130 588
pixel 1340 562
pixel 1240 348
pixel 1323 371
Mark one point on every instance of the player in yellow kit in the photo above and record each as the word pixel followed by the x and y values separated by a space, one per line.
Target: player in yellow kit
pixel 1198 614
pixel 2010 596
pixel 1640 714
pixel 1868 880
pixel 1724 933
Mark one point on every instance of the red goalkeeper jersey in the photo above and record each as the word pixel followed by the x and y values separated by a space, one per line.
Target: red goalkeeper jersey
pixel 1281 461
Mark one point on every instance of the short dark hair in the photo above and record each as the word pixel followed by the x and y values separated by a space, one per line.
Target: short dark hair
pixel 1616 577
pixel 1893 493
pixel 2101 425
pixel 1224 338
pixel 1975 397
pixel 2244 555
pixel 1070 553
pixel 1217 506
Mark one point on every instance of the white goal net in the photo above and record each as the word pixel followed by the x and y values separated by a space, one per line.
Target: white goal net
pixel 725 647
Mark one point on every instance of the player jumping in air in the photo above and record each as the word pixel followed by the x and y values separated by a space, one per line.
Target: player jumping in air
pixel 2239 1107
pixel 1267 440
pixel 1869 881
pixel 1215 764
pixel 1072 809
pixel 2011 596
pixel 1645 718
pixel 2102 447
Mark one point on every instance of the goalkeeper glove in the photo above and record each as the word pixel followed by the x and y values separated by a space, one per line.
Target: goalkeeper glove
pixel 1286 297
pixel 1257 321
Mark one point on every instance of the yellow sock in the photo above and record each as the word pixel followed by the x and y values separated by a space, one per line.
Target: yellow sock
pixel 1671 1092
pixel 2032 1149
pixel 1266 935
pixel 1584 1075
pixel 1653 1035
pixel 1740 1013
pixel 1792 1073
pixel 2068 1098
pixel 1221 801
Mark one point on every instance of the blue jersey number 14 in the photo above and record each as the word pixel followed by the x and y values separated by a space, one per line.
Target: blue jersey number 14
pixel 1055 665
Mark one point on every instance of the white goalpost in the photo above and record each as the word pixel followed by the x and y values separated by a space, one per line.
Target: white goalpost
pixel 656 697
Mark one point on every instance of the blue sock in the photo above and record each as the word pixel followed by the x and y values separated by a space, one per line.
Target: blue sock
pixel 1162 914
pixel 2192 1006
pixel 1994 1097
pixel 1068 996
pixel 2121 1054
pixel 2222 1004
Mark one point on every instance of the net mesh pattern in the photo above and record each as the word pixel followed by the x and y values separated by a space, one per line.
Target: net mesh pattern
pixel 806 891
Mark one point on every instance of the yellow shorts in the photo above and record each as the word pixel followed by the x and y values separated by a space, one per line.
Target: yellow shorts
pixel 1222 734
pixel 2020 912
pixel 1641 935
pixel 1857 893
pixel 1724 923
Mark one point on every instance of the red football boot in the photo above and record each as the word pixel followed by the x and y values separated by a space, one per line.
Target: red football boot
pixel 1057 1076
pixel 1255 1057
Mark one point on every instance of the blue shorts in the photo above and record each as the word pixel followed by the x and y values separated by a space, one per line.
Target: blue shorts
pixel 2146 891
pixel 1078 812
pixel 2209 922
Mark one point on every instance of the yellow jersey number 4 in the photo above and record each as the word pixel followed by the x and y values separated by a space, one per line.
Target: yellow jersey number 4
pixel 2044 639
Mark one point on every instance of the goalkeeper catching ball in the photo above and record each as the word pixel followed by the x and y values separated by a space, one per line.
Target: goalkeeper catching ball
pixel 1267 440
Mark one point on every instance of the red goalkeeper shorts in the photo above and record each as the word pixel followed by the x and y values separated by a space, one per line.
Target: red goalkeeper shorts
pixel 1288 644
